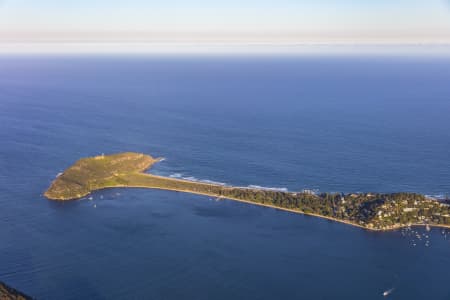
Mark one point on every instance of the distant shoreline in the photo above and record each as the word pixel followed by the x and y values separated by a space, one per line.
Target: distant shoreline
pixel 438 48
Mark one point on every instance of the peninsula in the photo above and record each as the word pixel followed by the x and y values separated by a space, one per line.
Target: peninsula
pixel 374 211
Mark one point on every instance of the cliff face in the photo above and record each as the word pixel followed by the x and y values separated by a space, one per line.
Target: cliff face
pixel 8 293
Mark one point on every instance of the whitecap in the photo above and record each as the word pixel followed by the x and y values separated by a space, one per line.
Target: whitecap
pixel 212 182
pixel 194 179
pixel 436 197
pixel 176 175
pixel 258 187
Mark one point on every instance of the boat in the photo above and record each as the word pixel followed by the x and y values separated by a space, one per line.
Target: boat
pixel 386 293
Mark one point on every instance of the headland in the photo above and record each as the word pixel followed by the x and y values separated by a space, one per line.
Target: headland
pixel 372 211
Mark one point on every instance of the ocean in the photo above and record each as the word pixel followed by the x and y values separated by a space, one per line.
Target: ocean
pixel 325 123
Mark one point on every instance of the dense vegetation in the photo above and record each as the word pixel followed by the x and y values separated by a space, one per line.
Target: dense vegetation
pixel 369 210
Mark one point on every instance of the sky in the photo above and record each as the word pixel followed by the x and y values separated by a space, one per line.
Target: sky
pixel 231 21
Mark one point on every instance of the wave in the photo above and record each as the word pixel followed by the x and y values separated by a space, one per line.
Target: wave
pixel 277 189
pixel 251 186
pixel 194 179
pixel 437 196
pixel 176 175
pixel 213 182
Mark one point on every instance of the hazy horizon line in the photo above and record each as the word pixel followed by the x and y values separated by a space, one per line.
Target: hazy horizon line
pixel 239 47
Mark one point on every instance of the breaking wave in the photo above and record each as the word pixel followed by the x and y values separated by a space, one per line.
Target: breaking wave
pixel 251 186
pixel 277 189
pixel 437 196
pixel 194 179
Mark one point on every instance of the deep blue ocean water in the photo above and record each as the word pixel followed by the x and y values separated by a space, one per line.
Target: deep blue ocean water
pixel 347 124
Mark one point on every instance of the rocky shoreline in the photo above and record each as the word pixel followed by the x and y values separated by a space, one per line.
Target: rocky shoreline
pixel 9 293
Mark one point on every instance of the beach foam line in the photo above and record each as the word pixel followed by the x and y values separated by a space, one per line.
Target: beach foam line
pixel 176 175
pixel 437 197
pixel 258 187
pixel 251 186
pixel 194 179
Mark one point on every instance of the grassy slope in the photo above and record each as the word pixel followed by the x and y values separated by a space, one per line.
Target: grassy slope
pixel 93 173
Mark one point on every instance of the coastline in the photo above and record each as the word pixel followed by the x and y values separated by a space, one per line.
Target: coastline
pixel 268 206
pixel 7 292
pixel 127 170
